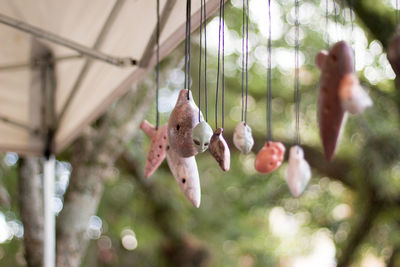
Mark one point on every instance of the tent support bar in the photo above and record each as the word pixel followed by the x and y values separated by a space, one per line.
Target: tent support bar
pixel 40 33
pixel 21 65
pixel 99 41
pixel 18 124
pixel 49 217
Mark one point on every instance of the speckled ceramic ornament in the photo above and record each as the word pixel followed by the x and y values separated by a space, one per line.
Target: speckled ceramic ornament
pixel 186 175
pixel 158 144
pixel 242 138
pixel 219 150
pixel 353 97
pixel 183 119
pixel 393 53
pixel 270 157
pixel 298 172
pixel 334 66
pixel 201 136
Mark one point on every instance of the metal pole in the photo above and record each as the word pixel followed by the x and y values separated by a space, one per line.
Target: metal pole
pixel 49 216
pixel 40 33
pixel 22 65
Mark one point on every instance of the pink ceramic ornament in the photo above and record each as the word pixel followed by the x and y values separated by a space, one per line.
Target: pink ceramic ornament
pixel 183 119
pixel 270 157
pixel 298 172
pixel 186 175
pixel 219 150
pixel 158 144
pixel 334 66
pixel 352 96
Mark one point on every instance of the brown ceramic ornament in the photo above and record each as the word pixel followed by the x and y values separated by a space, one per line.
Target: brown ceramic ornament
pixel 334 66
pixel 158 144
pixel 393 54
pixel 270 157
pixel 186 175
pixel 183 119
pixel 219 150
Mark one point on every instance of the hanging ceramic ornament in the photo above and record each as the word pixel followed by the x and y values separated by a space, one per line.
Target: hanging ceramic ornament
pixel 298 172
pixel 352 96
pixel 334 67
pixel 186 175
pixel 393 53
pixel 201 136
pixel 270 157
pixel 242 138
pixel 219 150
pixel 181 123
pixel 158 144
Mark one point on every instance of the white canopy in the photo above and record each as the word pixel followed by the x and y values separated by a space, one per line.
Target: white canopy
pixel 128 34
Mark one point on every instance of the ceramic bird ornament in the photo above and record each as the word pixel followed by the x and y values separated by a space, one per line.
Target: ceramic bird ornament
pixel 201 136
pixel 270 157
pixel 219 150
pixel 186 175
pixel 352 96
pixel 242 138
pixel 183 119
pixel 334 67
pixel 158 139
pixel 298 172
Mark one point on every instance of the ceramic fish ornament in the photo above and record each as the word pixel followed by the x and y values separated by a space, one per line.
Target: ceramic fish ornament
pixel 242 138
pixel 186 175
pixel 219 150
pixel 158 144
pixel 353 97
pixel 270 157
pixel 201 136
pixel 183 119
pixel 298 172
pixel 393 54
pixel 334 66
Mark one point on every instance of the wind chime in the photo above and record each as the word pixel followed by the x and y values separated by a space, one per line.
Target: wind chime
pixel 242 136
pixel 298 172
pixel 340 91
pixel 218 147
pixel 271 155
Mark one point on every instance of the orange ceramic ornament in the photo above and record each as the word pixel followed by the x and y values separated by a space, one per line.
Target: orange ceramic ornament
pixel 158 144
pixel 270 157
pixel 183 119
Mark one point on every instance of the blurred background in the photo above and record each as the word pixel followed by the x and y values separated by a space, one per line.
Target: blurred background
pixel 348 215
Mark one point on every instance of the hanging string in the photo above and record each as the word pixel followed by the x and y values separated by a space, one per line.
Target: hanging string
pixel 352 31
pixel 327 23
pixel 201 43
pixel 158 64
pixel 297 75
pixel 243 56
pixel 205 58
pixel 336 19
pixel 247 59
pixel 223 63
pixel 269 76
pixel 397 12
pixel 218 63
pixel 187 46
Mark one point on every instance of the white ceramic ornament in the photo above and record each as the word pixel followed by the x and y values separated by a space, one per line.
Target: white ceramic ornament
pixel 298 172
pixel 186 175
pixel 242 138
pixel 201 136
pixel 353 97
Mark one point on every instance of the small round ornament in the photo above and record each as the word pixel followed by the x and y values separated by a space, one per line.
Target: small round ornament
pixel 242 138
pixel 201 136
pixel 298 172
pixel 219 149
pixel 353 97
pixel 270 157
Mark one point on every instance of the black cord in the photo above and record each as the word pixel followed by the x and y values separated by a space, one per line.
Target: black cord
pixel 187 46
pixel 327 23
pixel 219 49
pixel 201 43
pixel 397 12
pixel 205 59
pixel 269 76
pixel 297 75
pixel 243 56
pixel 158 64
pixel 336 19
pixel 247 59
pixel 223 63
